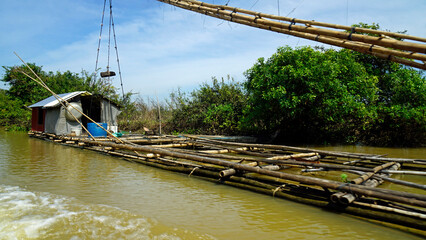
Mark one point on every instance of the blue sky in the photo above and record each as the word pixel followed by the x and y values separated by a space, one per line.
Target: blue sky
pixel 162 47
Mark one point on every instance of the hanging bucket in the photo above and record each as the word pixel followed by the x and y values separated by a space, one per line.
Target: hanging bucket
pixel 97 131
pixel 107 74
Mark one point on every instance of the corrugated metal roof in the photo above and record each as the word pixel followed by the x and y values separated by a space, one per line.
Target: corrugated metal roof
pixel 52 102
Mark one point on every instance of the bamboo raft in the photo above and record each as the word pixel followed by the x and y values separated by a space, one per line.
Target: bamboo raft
pixel 291 173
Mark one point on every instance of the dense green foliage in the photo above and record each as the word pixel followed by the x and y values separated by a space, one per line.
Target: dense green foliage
pixel 13 115
pixel 308 95
pixel 211 109
pixel 335 96
pixel 401 106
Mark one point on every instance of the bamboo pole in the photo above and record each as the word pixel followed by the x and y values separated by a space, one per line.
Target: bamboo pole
pixel 361 43
pixel 368 175
pixel 390 209
pixel 348 198
pixel 231 171
pixel 392 180
pixel 152 141
pixel 231 149
pixel 388 179
pixel 294 156
pixel 172 145
pixel 312 23
pixel 217 12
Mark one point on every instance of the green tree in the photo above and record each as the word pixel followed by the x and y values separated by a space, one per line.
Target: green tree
pixel 12 115
pixel 335 96
pixel 309 95
pixel 211 109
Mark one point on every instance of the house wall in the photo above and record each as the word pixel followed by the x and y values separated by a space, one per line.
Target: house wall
pixel 109 113
pixel 52 118
pixel 38 119
pixel 57 123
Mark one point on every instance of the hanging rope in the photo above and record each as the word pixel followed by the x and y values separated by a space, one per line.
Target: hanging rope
pixel 116 52
pixel 99 42
pixel 111 30
pixel 109 34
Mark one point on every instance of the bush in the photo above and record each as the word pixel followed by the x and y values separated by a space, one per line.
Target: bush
pixel 211 109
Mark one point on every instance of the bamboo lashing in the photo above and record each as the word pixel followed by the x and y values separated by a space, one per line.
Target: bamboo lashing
pixel 403 52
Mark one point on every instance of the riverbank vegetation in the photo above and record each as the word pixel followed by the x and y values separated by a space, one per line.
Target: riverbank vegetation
pixel 302 95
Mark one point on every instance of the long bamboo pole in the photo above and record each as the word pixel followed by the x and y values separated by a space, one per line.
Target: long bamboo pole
pixel 368 175
pixel 360 43
pixel 202 7
pixel 309 22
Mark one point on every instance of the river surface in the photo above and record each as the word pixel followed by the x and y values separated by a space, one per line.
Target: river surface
pixel 50 191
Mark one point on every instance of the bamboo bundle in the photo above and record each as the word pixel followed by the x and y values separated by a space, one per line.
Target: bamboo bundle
pixel 368 175
pixel 347 198
pixel 358 156
pixel 383 46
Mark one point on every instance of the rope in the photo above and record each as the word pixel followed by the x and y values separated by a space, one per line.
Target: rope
pixel 99 42
pixel 111 29
pixel 109 33
pixel 193 170
pixel 277 189
pixel 116 52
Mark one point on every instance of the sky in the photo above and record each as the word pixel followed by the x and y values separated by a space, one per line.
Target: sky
pixel 162 48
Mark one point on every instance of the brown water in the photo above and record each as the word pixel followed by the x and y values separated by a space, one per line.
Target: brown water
pixel 49 191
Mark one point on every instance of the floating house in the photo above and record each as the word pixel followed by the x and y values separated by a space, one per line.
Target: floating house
pixel 50 116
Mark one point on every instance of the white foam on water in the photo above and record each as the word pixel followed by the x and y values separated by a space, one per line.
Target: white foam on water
pixel 33 215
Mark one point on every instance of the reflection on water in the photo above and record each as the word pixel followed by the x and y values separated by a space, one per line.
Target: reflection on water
pixel 69 192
